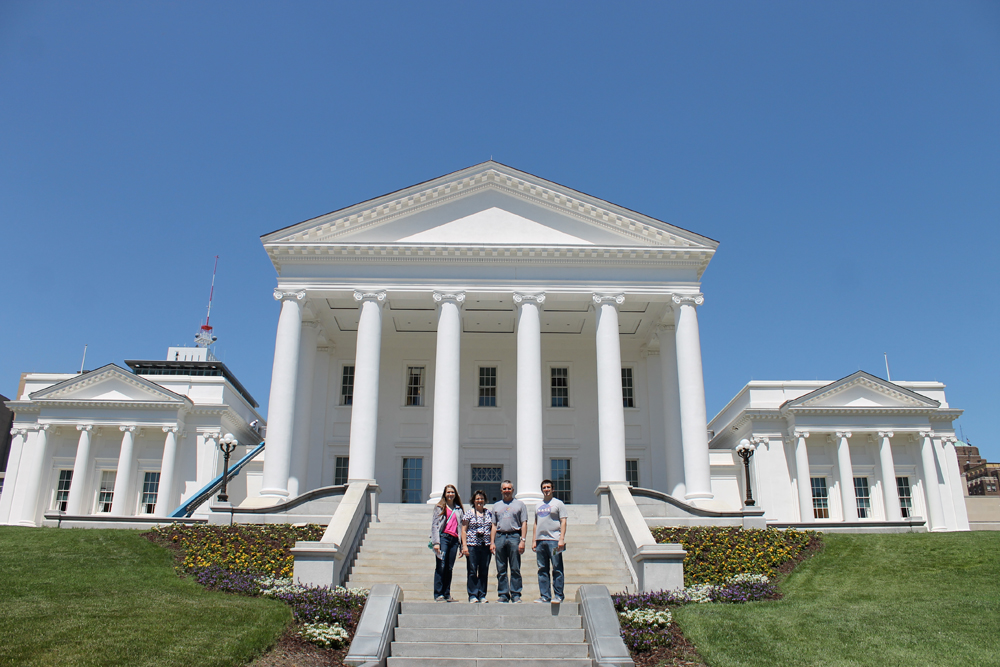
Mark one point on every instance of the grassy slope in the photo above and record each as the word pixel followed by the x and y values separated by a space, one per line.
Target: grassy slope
pixel 109 597
pixel 910 599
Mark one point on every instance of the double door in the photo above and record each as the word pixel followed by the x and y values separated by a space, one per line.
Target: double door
pixel 488 479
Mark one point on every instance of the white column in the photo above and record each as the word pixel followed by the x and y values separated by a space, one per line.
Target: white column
pixel 803 479
pixel 281 405
pixel 8 512
pixel 932 491
pixel 691 388
pixel 846 471
pixel 530 460
pixel 302 432
pixel 81 472
pixel 364 407
pixel 38 474
pixel 447 360
pixel 121 502
pixel 610 410
pixel 672 411
pixel 957 487
pixel 890 493
pixel 166 501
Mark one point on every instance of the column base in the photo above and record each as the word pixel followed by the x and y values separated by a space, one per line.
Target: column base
pixel 273 493
pixel 530 498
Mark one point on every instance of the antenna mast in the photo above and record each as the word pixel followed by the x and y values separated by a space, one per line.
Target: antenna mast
pixel 884 354
pixel 205 337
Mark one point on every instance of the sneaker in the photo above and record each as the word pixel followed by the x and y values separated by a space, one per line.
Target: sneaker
pixel 450 599
pixel 503 600
pixel 517 601
pixel 439 598
pixel 483 601
pixel 557 600
pixel 542 601
pixel 474 600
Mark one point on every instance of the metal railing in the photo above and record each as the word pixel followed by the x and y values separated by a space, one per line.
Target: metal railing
pixel 197 500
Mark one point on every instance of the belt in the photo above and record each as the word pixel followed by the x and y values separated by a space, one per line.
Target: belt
pixel 513 532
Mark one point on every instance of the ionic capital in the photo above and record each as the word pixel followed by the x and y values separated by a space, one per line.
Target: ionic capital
pixel 377 297
pixel 21 431
pixel 801 434
pixel 688 299
pixel 758 440
pixel 282 296
pixel 171 429
pixel 843 435
pixel 85 427
pixel 613 299
pixel 127 428
pixel 457 297
pixel 950 440
pixel 520 298
pixel 44 428
pixel 885 434
pixel 926 434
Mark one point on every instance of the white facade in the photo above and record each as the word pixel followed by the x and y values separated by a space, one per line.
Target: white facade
pixel 111 443
pixel 485 319
pixel 860 451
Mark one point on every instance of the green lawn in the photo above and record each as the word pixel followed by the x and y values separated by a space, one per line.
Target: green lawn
pixel 109 597
pixel 885 600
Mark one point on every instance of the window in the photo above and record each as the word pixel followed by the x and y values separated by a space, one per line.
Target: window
pixel 821 505
pixel 347 386
pixel 632 472
pixel 560 387
pixel 414 385
pixel 862 495
pixel 62 490
pixel 487 386
pixel 413 475
pixel 905 497
pixel 106 491
pixel 562 487
pixel 628 392
pixel 150 489
pixel 340 468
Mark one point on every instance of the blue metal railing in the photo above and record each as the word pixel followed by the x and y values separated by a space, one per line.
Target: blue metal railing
pixel 188 507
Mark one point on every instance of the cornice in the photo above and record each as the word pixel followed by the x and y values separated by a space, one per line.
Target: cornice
pixel 870 410
pixel 749 416
pixel 171 404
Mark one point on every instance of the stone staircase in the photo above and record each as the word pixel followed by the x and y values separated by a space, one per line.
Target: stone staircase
pixel 394 551
pixel 489 635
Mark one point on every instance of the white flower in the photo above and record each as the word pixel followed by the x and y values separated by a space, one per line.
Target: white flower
pixel 323 634
pixel 647 617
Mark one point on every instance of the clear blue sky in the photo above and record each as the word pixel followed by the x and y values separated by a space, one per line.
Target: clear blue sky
pixel 846 155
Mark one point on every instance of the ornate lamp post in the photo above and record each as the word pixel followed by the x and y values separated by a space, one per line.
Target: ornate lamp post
pixel 227 445
pixel 745 450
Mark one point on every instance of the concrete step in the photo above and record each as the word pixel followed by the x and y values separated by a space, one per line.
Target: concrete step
pixel 489 662
pixel 513 621
pixel 487 650
pixel 468 609
pixel 491 635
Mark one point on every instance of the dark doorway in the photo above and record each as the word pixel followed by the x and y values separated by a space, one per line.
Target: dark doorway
pixel 487 478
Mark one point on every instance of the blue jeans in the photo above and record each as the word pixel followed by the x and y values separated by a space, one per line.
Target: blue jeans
pixel 443 565
pixel 478 567
pixel 508 556
pixel 546 554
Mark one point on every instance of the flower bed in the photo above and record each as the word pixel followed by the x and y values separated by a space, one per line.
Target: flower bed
pixel 716 554
pixel 256 561
pixel 240 548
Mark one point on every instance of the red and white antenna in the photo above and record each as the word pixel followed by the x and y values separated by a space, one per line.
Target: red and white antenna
pixel 205 337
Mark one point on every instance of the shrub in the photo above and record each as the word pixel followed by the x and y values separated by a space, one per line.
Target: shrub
pixel 715 554
pixel 262 549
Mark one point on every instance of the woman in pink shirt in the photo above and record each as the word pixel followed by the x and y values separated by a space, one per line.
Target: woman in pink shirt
pixel 445 540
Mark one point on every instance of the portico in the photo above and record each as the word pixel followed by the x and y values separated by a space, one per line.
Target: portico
pixel 489 318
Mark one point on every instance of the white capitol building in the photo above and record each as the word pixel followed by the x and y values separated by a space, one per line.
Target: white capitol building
pixel 481 326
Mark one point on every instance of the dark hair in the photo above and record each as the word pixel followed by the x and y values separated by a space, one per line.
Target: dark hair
pixel 477 493
pixel 444 501
pixel 546 481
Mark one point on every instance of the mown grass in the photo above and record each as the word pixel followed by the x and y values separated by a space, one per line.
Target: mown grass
pixel 110 597
pixel 886 600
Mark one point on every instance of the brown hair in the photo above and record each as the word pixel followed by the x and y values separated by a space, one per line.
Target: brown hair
pixel 444 500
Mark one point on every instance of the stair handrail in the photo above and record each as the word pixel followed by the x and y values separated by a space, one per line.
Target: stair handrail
pixel 188 507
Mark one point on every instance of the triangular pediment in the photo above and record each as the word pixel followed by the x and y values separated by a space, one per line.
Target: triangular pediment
pixel 108 384
pixel 862 390
pixel 489 204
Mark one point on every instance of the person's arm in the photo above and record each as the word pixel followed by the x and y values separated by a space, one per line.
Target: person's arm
pixel 524 534
pixel 562 534
pixel 436 530
pixel 462 538
pixel 534 535
pixel 493 533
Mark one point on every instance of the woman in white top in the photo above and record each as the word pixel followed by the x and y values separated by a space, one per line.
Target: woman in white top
pixel 476 525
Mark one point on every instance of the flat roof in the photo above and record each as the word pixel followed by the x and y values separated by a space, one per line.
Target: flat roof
pixel 191 368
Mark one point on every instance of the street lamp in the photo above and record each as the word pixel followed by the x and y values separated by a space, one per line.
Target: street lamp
pixel 745 450
pixel 228 445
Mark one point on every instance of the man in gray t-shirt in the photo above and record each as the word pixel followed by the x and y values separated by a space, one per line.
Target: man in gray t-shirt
pixel 548 543
pixel 507 540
